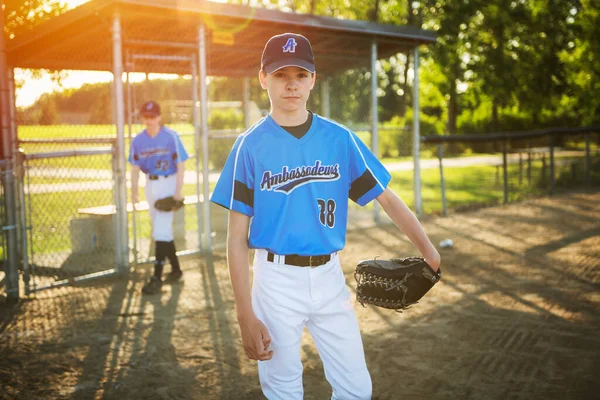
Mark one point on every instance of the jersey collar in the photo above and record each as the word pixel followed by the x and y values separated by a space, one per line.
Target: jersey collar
pixel 288 136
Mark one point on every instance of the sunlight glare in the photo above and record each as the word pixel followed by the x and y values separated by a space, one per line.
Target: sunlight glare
pixel 74 3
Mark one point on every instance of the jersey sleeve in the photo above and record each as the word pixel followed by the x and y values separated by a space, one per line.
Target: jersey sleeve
pixel 235 187
pixel 368 176
pixel 180 154
pixel 134 158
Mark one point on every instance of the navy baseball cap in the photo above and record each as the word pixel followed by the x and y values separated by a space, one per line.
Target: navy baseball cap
pixel 150 109
pixel 287 50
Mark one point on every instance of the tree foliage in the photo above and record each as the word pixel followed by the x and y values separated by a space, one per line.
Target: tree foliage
pixel 497 64
pixel 22 15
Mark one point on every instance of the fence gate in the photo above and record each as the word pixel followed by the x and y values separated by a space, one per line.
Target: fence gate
pixel 67 200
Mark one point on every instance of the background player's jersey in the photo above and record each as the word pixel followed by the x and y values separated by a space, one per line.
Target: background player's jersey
pixel 157 155
pixel 297 190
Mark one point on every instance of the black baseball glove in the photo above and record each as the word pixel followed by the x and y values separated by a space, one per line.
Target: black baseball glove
pixel 168 204
pixel 395 284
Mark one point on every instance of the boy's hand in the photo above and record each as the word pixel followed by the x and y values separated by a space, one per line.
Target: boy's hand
pixel 256 339
pixel 434 260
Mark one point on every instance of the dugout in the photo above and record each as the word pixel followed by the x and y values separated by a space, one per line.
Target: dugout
pixel 204 39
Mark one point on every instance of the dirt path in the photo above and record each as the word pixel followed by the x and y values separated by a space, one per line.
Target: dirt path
pixel 516 316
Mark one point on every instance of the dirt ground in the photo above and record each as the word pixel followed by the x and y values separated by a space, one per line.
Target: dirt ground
pixel 516 316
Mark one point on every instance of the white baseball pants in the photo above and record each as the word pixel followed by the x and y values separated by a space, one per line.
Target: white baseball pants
pixel 287 298
pixel 162 222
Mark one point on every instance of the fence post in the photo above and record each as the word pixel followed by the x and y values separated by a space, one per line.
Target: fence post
pixel 122 247
pixel 529 168
pixel 207 244
pixel 552 182
pixel 245 99
pixel 20 168
pixel 505 171
pixel 374 117
pixel 8 181
pixel 588 165
pixel 520 168
pixel 197 142
pixel 129 113
pixel 325 102
pixel 416 136
pixel 442 182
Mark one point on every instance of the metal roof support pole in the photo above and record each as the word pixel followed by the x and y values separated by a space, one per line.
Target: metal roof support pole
pixel 207 245
pixel 325 107
pixel 19 184
pixel 122 245
pixel 246 102
pixel 374 117
pixel 12 103
pixel 416 136
pixel 197 147
pixel 128 68
pixel 8 178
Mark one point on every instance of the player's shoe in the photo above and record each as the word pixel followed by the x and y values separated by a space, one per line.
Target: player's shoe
pixel 174 276
pixel 153 286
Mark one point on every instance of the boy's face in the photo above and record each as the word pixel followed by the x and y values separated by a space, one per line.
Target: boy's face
pixel 288 88
pixel 151 121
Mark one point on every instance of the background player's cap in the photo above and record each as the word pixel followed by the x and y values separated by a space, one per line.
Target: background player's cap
pixel 287 50
pixel 150 109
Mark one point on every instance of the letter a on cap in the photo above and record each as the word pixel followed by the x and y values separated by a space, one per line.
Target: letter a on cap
pixel 290 46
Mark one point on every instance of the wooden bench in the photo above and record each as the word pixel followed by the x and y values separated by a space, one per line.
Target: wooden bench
pixel 96 230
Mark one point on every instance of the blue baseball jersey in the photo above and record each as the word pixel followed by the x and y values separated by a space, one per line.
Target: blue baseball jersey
pixel 157 155
pixel 297 190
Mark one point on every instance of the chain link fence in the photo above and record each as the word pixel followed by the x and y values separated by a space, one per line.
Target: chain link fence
pixel 67 193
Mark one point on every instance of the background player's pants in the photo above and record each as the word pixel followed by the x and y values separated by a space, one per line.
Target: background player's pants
pixel 162 222
pixel 286 298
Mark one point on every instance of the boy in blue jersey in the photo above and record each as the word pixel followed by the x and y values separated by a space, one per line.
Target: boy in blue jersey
pixel 286 183
pixel 158 152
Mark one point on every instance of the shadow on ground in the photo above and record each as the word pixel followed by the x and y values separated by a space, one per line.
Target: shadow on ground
pixel 515 317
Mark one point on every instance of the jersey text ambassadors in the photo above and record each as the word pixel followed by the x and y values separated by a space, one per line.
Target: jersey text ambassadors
pixel 289 179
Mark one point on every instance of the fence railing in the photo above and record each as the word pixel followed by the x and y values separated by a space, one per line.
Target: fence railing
pixel 546 159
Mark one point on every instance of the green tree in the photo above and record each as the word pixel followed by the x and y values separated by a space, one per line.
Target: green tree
pixel 451 19
pixel 548 31
pixel 582 64
pixel 101 110
pixel 48 111
pixel 22 15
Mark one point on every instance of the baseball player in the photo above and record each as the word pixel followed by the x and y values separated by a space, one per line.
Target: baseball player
pixel 158 152
pixel 287 183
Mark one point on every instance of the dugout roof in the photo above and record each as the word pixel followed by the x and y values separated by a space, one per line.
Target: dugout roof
pixel 81 39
